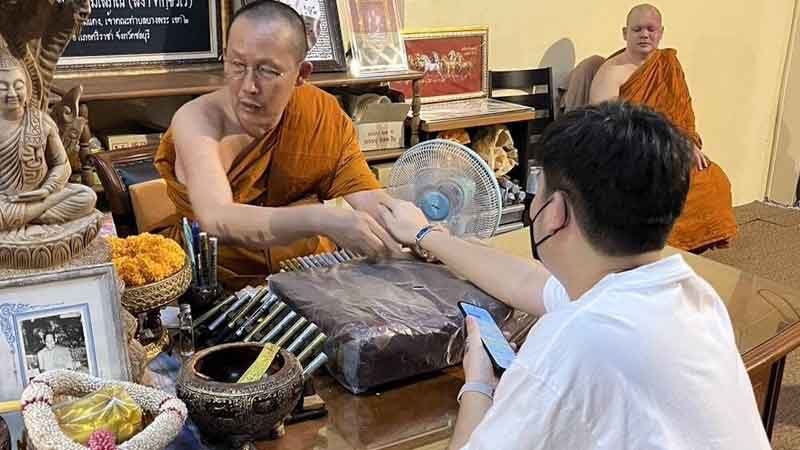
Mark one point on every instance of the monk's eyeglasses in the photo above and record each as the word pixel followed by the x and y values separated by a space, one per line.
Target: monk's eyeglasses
pixel 238 71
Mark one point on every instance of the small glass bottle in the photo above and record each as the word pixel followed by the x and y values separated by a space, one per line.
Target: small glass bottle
pixel 185 332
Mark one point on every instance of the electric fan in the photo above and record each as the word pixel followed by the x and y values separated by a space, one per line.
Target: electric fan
pixel 451 184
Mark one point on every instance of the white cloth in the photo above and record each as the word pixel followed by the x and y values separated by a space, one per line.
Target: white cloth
pixel 646 359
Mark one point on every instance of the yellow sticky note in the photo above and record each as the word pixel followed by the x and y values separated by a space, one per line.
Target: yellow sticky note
pixel 261 364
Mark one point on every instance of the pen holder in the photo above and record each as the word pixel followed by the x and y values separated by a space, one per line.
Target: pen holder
pixel 202 298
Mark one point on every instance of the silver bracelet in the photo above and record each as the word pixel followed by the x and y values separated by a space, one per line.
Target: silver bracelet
pixel 481 388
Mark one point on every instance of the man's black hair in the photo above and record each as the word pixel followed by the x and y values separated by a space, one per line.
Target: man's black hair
pixel 272 10
pixel 625 170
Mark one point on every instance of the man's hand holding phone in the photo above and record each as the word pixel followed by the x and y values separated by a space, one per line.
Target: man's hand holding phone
pixel 477 365
pixel 487 350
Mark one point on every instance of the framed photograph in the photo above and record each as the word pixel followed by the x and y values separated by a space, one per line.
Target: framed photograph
pixel 141 36
pixel 375 38
pixel 324 32
pixel 61 320
pixel 455 62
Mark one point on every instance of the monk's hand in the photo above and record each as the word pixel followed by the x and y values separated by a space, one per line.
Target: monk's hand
pixel 36 195
pixel 403 219
pixel 700 158
pixel 359 232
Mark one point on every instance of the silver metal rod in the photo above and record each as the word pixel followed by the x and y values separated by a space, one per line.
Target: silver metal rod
pixel 275 331
pixel 316 260
pixel 303 263
pixel 326 259
pixel 330 259
pixel 279 307
pixel 310 261
pixel 305 334
pixel 263 309
pixel 339 256
pixel 319 260
pixel 257 298
pixel 291 331
pixel 242 300
pixel 312 348
pixel 207 315
pixel 213 255
pixel 315 364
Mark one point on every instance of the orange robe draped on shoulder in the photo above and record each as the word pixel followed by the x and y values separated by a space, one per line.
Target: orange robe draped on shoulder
pixel 313 155
pixel 707 219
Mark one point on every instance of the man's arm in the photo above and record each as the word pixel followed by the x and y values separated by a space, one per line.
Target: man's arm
pixel 605 86
pixel 515 281
pixel 474 407
pixel 197 132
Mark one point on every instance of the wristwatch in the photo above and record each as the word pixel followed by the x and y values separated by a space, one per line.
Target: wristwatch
pixel 422 234
pixel 481 388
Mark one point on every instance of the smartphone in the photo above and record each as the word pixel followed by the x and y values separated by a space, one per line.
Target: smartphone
pixel 500 351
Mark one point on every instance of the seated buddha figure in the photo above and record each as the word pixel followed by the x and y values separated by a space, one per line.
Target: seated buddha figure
pixel 34 167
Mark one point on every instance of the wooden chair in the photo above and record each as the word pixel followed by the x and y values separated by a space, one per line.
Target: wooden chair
pixel 540 93
pixel 118 170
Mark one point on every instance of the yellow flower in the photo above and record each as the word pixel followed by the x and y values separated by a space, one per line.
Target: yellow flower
pixel 146 258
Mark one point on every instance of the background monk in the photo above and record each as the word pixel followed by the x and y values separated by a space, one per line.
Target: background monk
pixel 642 73
pixel 236 158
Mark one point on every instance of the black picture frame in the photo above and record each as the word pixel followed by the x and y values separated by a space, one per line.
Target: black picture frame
pixel 110 59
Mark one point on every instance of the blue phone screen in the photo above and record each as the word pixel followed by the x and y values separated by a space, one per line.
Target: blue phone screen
pixel 492 337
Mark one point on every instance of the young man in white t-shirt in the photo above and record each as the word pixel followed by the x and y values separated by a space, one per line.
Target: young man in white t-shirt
pixel 632 351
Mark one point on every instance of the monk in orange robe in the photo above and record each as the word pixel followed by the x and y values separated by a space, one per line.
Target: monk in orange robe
pixel 644 74
pixel 253 161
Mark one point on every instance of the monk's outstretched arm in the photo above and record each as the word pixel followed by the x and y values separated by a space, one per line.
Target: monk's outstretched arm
pixel 198 138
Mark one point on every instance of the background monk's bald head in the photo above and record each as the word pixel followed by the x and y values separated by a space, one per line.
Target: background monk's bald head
pixel 642 31
pixel 279 15
pixel 644 8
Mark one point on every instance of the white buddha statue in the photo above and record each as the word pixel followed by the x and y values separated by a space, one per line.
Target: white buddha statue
pixel 34 167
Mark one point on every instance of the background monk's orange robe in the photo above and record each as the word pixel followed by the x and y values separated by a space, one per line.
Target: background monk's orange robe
pixel 313 155
pixel 707 217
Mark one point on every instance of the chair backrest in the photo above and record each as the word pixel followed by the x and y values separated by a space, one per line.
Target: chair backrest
pixel 119 169
pixel 539 85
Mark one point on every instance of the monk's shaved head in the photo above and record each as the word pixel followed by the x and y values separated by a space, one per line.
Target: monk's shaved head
pixel 273 12
pixel 642 9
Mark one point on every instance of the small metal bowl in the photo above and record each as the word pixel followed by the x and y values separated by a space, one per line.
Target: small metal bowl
pixel 224 410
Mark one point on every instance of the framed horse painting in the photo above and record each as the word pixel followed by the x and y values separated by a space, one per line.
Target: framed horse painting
pixel 455 62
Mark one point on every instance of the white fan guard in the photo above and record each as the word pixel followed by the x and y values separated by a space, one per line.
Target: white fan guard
pixel 444 168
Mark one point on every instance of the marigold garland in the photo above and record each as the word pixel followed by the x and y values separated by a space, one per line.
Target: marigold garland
pixel 146 258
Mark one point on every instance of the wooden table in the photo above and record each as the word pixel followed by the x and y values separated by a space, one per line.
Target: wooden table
pixel 421 414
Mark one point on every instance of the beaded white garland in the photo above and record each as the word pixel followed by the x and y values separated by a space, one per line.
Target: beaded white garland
pixel 45 433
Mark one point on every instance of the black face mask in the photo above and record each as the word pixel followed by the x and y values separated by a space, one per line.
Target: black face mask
pixel 535 245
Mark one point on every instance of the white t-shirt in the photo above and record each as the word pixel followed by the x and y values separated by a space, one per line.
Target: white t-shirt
pixel 646 359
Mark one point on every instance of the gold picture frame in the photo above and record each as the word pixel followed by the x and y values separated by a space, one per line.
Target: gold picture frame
pixel 455 61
